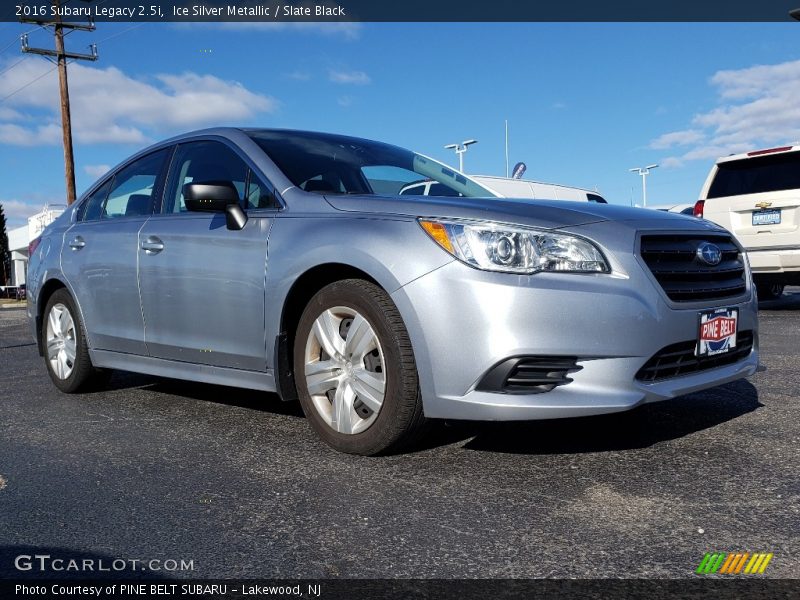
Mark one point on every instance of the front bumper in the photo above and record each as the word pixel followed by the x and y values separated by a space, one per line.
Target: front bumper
pixel 463 321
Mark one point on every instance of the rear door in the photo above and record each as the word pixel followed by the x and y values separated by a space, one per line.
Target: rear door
pixel 202 285
pixel 100 253
pixel 758 199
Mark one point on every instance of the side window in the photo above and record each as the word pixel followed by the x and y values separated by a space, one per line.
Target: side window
pixel 133 189
pixel 259 194
pixel 92 208
pixel 201 162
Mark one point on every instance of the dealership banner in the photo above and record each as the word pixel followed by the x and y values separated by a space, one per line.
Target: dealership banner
pixel 404 11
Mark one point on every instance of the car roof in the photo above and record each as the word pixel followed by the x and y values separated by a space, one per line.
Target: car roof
pixel 757 153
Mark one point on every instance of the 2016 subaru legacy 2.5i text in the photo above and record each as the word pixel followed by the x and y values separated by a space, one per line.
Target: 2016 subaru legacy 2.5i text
pixel 287 261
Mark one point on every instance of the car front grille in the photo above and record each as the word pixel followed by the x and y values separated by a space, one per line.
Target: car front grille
pixel 679 359
pixel 674 261
pixel 529 374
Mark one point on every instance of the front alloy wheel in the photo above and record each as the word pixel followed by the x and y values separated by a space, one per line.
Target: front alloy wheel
pixel 355 371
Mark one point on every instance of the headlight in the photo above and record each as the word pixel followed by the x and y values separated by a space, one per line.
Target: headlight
pixel 500 247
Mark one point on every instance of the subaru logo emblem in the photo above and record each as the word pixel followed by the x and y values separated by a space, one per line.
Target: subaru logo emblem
pixel 709 254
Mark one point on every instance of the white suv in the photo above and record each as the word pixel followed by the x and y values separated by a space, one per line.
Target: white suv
pixel 756 196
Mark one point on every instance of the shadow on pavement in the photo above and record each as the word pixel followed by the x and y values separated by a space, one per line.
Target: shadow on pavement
pixel 789 301
pixel 639 428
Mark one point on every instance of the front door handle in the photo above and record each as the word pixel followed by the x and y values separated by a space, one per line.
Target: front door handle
pixel 152 245
pixel 77 243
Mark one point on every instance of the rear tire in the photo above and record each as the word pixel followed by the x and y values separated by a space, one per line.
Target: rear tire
pixel 355 371
pixel 66 353
pixel 769 291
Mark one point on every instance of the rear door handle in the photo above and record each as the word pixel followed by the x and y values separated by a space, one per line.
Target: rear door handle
pixel 152 245
pixel 77 243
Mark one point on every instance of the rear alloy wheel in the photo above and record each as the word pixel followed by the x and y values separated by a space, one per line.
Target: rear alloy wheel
pixel 64 343
pixel 355 371
pixel 769 291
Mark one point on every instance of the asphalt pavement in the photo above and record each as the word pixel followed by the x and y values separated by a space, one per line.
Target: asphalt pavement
pixel 235 482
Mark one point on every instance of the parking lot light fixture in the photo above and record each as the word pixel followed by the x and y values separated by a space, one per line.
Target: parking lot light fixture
pixel 460 149
pixel 644 172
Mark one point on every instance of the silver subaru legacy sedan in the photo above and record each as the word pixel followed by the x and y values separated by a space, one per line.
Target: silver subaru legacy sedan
pixel 287 261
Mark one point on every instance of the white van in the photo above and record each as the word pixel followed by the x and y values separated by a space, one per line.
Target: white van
pixel 504 187
pixel 756 195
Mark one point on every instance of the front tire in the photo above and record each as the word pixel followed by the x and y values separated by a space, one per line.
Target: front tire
pixel 355 371
pixel 769 291
pixel 66 352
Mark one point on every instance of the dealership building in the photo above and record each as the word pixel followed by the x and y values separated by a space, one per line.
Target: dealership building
pixel 19 238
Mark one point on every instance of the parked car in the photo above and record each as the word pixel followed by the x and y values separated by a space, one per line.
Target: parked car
pixel 681 208
pixel 266 259
pixel 756 195
pixel 505 187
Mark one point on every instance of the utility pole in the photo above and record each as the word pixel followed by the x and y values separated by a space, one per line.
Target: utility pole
pixel 61 56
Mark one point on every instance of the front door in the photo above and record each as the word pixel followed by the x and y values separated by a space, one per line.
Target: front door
pixel 202 285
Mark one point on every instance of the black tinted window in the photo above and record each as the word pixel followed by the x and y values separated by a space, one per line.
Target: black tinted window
pixel 769 173
pixel 134 187
pixel 92 207
pixel 260 194
pixel 203 162
pixel 596 198
pixel 437 189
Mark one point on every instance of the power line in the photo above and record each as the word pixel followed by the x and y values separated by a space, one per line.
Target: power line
pixel 30 83
pixel 21 60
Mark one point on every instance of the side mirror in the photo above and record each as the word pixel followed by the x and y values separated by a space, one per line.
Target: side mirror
pixel 216 196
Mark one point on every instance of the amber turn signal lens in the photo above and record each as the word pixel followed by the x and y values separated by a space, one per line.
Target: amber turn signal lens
pixel 439 234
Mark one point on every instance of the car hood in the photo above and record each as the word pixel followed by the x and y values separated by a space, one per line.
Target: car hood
pixel 551 214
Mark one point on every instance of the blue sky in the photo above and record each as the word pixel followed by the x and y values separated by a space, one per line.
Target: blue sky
pixel 585 102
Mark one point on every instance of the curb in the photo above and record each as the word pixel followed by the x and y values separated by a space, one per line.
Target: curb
pixel 12 306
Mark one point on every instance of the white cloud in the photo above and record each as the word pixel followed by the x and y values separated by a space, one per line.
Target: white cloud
pixel 349 77
pixel 758 107
pixel 9 114
pixel 41 135
pixel 344 101
pixel 17 212
pixel 677 138
pixel 96 171
pixel 671 162
pixel 109 106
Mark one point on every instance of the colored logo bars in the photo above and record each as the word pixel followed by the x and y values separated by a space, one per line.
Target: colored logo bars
pixel 734 563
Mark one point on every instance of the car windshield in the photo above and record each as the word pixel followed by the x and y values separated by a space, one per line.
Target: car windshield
pixel 336 164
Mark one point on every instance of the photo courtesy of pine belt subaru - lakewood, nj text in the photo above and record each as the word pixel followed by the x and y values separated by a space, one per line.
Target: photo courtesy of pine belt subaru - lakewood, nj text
pixel 287 261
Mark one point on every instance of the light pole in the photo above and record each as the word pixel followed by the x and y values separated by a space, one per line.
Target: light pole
pixel 644 172
pixel 460 149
